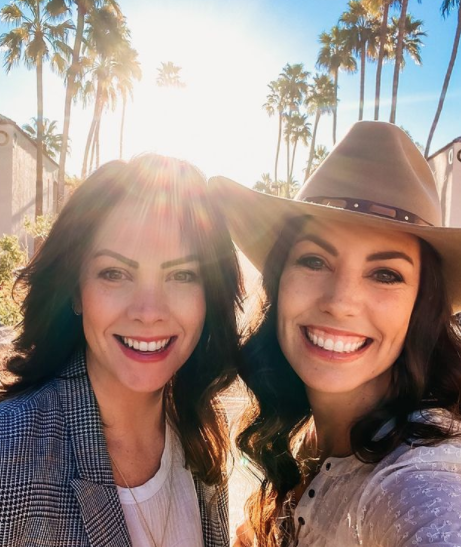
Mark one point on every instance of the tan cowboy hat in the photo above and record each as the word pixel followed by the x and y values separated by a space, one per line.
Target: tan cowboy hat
pixel 374 176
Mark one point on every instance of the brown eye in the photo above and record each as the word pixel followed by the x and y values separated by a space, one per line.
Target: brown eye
pixel 387 276
pixel 112 274
pixel 311 262
pixel 184 276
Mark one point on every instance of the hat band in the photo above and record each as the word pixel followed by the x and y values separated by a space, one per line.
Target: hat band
pixel 370 208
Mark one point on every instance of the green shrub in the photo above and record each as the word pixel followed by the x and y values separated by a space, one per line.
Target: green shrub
pixel 12 258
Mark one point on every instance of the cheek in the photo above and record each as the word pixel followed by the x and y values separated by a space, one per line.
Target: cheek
pixel 394 317
pixel 192 310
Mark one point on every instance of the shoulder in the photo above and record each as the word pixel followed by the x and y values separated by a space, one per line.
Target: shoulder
pixel 41 409
pixel 22 413
pixel 413 496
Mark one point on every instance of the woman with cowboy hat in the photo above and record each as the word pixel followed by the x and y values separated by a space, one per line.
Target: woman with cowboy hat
pixel 355 359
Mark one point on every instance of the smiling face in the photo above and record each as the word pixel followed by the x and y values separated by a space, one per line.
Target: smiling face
pixel 142 301
pixel 345 300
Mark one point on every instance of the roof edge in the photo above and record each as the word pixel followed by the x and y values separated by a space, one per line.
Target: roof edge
pixel 454 141
pixel 7 121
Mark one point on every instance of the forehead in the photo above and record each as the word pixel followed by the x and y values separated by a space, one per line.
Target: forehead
pixel 134 229
pixel 357 237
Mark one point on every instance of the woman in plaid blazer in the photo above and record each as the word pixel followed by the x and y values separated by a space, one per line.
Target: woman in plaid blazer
pixel 111 433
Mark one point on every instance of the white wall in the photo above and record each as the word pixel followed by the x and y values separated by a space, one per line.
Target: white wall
pixel 446 166
pixel 17 182
pixel 6 155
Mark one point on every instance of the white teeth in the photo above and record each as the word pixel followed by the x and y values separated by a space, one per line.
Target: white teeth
pixel 329 344
pixel 142 345
pixel 338 346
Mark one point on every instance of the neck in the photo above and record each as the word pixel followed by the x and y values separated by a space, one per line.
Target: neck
pixel 335 414
pixel 134 428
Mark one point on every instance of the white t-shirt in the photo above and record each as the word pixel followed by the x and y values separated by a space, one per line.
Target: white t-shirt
pixel 168 501
pixel 410 498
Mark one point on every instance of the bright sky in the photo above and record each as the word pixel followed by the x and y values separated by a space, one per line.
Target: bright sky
pixel 229 50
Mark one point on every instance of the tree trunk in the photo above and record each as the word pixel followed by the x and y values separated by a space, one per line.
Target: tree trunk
pixel 287 187
pixel 98 127
pixel 363 54
pixel 312 150
pixel 279 140
pixel 39 160
pixel 93 150
pixel 91 132
pixel 382 42
pixel 398 59
pixel 446 82
pixel 70 92
pixel 122 125
pixel 295 144
pixel 335 108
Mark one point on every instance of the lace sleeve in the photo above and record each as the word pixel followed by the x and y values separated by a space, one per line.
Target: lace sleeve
pixel 416 501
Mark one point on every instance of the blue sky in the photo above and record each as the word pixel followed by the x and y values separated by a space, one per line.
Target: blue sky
pixel 229 51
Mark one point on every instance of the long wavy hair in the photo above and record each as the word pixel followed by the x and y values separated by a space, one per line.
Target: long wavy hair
pixel 50 332
pixel 426 375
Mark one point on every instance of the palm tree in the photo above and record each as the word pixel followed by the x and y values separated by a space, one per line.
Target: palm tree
pixel 83 8
pixel 285 97
pixel 106 38
pixel 276 103
pixel 320 154
pixel 297 129
pixel 411 43
pixel 266 185
pixel 398 57
pixel 127 68
pixel 447 6
pixel 52 141
pixel 39 35
pixel 295 86
pixel 168 75
pixel 361 32
pixel 380 8
pixel 320 100
pixel 335 55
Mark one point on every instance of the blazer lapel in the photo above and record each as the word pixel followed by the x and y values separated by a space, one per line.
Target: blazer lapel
pixel 214 512
pixel 94 485
pixel 102 514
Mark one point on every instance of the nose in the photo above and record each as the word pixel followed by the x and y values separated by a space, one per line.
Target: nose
pixel 149 304
pixel 342 296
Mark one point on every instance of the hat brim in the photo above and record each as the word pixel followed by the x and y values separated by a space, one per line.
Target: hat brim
pixel 255 221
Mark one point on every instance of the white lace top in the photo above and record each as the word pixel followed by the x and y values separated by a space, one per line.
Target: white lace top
pixel 168 502
pixel 411 497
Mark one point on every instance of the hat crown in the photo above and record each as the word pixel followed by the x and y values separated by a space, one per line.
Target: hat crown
pixel 377 162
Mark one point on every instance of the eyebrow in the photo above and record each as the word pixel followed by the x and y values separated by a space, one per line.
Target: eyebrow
pixel 388 255
pixel 384 255
pixel 134 264
pixel 177 261
pixel 118 256
pixel 320 242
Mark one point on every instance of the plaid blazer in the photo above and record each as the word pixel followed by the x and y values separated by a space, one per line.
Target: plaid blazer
pixel 56 483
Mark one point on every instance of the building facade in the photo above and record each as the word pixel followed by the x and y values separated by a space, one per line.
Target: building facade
pixel 17 180
pixel 446 166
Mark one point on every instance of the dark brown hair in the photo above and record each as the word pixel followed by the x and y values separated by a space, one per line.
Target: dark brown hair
pixel 426 375
pixel 51 332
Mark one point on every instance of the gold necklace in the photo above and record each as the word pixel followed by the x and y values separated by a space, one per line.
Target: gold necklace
pixel 140 512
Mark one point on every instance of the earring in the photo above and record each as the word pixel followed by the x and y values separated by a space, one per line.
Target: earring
pixel 74 310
